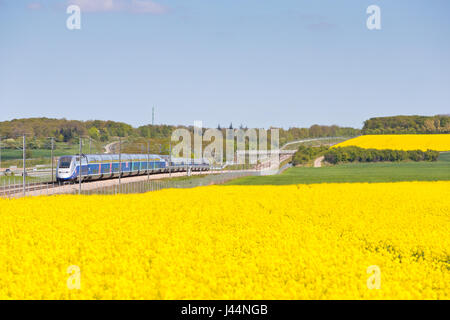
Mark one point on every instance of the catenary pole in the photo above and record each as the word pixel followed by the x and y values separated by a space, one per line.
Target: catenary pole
pixel 24 165
pixel 79 173
pixel 52 157
pixel 170 158
pixel 148 161
pixel 153 162
pixel 0 153
pixel 120 159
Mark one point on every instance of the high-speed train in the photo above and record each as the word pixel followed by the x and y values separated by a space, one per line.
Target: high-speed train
pixel 105 166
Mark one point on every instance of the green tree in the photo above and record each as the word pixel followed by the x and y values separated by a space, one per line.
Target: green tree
pixel 94 133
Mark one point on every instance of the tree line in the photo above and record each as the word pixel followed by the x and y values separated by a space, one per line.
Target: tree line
pixel 337 155
pixel 407 125
pixel 357 154
pixel 316 131
pixel 39 129
pixel 62 129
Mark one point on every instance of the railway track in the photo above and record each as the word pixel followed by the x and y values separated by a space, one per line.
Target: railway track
pixel 16 190
pixel 12 190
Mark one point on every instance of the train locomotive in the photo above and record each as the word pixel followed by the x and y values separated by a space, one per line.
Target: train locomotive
pixel 106 166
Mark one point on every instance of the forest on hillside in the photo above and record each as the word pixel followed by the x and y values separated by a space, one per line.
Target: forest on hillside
pixel 39 130
pixel 407 125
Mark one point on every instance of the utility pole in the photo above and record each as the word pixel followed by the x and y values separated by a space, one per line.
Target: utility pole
pixel 52 156
pixel 24 165
pixel 79 173
pixel 90 140
pixel 153 116
pixel 120 159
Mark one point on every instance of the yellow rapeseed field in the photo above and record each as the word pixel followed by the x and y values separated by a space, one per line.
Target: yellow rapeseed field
pixel 438 142
pixel 259 242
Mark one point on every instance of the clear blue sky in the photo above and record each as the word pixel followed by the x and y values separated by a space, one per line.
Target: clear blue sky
pixel 256 62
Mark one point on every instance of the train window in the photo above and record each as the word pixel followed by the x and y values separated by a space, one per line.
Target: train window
pixel 64 162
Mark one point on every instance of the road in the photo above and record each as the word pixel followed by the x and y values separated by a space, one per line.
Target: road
pixel 318 162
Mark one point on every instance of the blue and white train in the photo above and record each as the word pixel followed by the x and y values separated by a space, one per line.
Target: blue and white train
pixel 106 166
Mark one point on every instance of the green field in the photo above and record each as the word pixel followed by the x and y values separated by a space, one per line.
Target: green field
pixel 60 150
pixel 358 172
pixel 13 157
pixel 7 180
pixel 9 154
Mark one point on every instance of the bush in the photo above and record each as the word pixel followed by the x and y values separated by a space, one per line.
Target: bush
pixel 306 154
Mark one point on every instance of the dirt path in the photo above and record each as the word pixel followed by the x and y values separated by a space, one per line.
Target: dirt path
pixel 108 147
pixel 318 162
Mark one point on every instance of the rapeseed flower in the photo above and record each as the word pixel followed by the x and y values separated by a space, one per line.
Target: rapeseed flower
pixel 231 242
pixel 438 142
